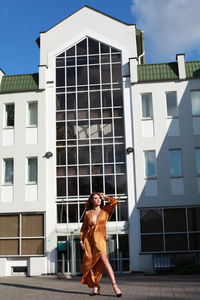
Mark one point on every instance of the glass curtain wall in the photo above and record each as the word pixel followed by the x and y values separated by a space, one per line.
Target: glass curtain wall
pixel 89 126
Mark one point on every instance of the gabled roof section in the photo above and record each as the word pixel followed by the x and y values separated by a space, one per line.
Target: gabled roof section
pixel 192 69
pixel 19 83
pixel 158 72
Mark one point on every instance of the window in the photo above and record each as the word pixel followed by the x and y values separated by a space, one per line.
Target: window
pixel 32 170
pixel 170 229
pixel 8 170
pixel 32 114
pixel 147 110
pixel 195 98
pixel 22 234
pixel 10 115
pixel 175 162
pixel 197 154
pixel 150 163
pixel 172 109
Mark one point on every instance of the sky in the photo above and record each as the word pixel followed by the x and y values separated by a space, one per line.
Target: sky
pixel 170 27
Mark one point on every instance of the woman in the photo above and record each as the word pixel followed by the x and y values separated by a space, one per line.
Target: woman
pixel 93 243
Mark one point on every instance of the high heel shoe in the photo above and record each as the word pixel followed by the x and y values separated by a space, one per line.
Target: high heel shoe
pixel 117 294
pixel 97 293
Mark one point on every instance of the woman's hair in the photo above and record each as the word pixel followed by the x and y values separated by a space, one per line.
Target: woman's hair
pixel 89 203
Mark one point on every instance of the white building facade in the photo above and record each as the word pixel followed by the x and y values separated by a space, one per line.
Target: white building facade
pixel 96 118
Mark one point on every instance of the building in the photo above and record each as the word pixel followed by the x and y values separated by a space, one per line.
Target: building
pixel 97 118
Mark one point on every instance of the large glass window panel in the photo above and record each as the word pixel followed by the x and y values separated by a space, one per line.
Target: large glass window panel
pixel 70 61
pixel 83 154
pixel 147 109
pixel 119 127
pixel 150 163
pixel 9 247
pixel 105 73
pixel 109 185
pixel 60 131
pixel 60 116
pixel 71 130
pixel 71 101
pixel 94 74
pixel 152 243
pixel 84 185
pixel 175 220
pixel 72 212
pixel 71 155
pixel 119 153
pixel 8 170
pixel 61 187
pixel 83 129
pixel 32 225
pixel 93 46
pixel 60 77
pixel 32 113
pixel 61 213
pixel 82 75
pixel 95 99
pixel 97 184
pixel 70 76
pixel 104 48
pixel 95 129
pixel 97 169
pixel 60 102
pixel 151 220
pixel 84 170
pixel 72 171
pixel 122 211
pixel 172 109
pixel 32 246
pixel 197 155
pixel 108 153
pixel 82 100
pixel 61 171
pixel 175 162
pixel 60 62
pixel 194 241
pixel 72 186
pixel 96 153
pixel 106 98
pixel 116 73
pixel 10 114
pixel 71 51
pixel 193 218
pixel 195 99
pixel 32 169
pixel 107 128
pixel 117 98
pixel 121 184
pixel 82 60
pixel 176 242
pixel 9 226
pixel 82 47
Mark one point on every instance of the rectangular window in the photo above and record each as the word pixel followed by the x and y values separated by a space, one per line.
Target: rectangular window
pixel 8 170
pixel 32 114
pixel 195 99
pixel 32 169
pixel 147 109
pixel 9 115
pixel 150 163
pixel 171 101
pixel 197 154
pixel 175 162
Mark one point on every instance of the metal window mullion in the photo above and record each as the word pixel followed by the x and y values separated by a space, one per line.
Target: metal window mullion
pixel 20 234
pixel 163 224
pixel 89 120
pixel 187 228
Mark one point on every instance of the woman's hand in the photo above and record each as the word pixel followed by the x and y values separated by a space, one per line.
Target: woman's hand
pixel 82 245
pixel 103 196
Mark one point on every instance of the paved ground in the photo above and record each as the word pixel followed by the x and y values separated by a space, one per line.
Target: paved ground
pixel 134 287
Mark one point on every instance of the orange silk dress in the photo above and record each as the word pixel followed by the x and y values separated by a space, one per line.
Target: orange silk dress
pixel 93 236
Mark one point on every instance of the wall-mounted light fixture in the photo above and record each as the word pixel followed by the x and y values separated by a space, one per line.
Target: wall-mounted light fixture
pixel 48 154
pixel 129 150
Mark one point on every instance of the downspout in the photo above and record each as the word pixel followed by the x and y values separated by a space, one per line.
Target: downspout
pixel 143 51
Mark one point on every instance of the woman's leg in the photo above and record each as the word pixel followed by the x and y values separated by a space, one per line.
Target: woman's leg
pixel 110 272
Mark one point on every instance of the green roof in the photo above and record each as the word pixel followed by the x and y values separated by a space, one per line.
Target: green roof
pixel 167 71
pixel 19 83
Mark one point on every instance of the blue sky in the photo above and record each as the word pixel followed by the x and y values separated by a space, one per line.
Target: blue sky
pixel 170 27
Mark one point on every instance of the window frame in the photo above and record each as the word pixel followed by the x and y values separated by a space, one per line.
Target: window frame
pixel 146 176
pixel 28 114
pixel 166 103
pixel 4 182
pixel 6 126
pixel 151 116
pixel 33 182
pixel 194 114
pixel 180 160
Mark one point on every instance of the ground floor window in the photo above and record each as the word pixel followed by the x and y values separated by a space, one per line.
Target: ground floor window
pixel 170 229
pixel 22 234
pixel 69 253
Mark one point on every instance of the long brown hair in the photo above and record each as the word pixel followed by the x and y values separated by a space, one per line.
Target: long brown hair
pixel 89 203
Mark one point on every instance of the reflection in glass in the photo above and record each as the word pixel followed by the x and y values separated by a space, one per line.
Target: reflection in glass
pixel 107 128
pixel 94 74
pixel 195 98
pixel 147 109
pixel 175 162
pixel 108 153
pixel 106 99
pixel 150 163
pixel 71 130
pixel 83 129
pixel 172 109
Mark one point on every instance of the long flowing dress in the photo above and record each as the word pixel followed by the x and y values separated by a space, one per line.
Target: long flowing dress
pixel 93 236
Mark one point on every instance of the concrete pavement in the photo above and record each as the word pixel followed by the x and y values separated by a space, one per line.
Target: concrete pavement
pixel 134 287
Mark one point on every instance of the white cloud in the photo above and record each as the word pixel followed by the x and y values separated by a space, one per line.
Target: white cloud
pixel 170 27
